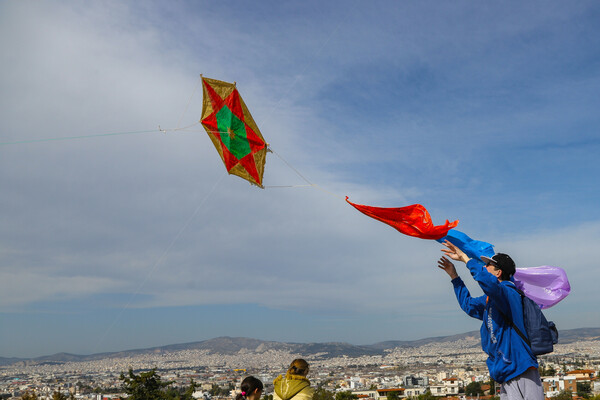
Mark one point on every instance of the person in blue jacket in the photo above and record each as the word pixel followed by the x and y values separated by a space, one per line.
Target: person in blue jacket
pixel 510 360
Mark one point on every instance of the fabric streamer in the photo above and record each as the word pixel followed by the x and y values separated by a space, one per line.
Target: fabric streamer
pixel 545 285
pixel 472 248
pixel 413 220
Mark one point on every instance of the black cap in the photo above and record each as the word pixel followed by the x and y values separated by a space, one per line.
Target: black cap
pixel 501 261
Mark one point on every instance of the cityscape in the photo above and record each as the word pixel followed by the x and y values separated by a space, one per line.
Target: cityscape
pixel 441 368
pixel 194 192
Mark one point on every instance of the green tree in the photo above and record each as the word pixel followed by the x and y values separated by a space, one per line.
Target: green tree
pixel 217 390
pixel 473 389
pixel 172 394
pixel 322 394
pixel 214 390
pixel 493 386
pixel 59 396
pixel 427 396
pixel 187 395
pixel 392 396
pixel 181 393
pixel 267 397
pixel 145 386
pixel 584 389
pixel 547 371
pixel 345 395
pixel 29 396
pixel 564 395
pixel 541 369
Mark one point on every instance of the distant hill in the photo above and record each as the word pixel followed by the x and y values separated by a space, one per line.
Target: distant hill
pixel 575 335
pixel 232 345
pixel 421 342
pixel 10 360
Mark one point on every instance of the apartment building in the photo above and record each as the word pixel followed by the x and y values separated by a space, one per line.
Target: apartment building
pixel 378 394
pixel 554 384
pixel 447 387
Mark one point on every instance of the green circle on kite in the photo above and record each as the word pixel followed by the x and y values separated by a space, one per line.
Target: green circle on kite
pixel 233 133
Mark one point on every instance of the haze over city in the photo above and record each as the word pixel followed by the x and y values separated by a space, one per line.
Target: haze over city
pixel 486 113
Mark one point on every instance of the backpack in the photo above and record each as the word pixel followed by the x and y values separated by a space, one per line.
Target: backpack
pixel 542 334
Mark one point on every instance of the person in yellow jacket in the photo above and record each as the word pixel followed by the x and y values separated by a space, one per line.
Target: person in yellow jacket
pixel 294 385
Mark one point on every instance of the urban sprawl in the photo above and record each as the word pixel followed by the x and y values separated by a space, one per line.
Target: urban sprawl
pixel 442 369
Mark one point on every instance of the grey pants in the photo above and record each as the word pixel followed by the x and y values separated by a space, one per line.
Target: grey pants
pixel 527 386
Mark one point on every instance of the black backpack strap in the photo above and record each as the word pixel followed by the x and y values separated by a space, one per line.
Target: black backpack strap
pixel 511 322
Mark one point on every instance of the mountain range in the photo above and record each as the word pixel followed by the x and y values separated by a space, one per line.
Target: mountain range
pixel 232 345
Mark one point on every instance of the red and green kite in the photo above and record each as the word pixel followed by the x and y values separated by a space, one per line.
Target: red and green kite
pixel 233 131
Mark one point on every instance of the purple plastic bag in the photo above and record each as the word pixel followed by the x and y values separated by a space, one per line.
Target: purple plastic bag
pixel 545 285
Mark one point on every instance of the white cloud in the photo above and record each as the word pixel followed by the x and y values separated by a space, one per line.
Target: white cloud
pixel 20 288
pixel 390 115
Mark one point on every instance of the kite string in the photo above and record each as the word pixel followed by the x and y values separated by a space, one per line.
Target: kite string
pixel 184 112
pixel 185 128
pixel 159 260
pixel 290 165
pixel 189 101
pixel 285 186
pixel 55 139
pixel 117 133
pixel 75 137
pixel 303 177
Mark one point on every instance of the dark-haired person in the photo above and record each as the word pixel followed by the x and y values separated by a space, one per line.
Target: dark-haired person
pixel 510 360
pixel 251 389
pixel 294 385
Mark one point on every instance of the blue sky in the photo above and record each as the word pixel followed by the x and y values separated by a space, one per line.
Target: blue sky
pixel 485 113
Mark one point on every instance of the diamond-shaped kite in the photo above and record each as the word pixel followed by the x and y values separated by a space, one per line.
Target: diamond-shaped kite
pixel 233 131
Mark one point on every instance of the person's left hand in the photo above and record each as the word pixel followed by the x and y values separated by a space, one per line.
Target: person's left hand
pixel 447 266
pixel 454 252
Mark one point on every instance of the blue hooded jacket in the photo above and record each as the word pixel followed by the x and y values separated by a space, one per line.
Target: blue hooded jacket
pixel 508 355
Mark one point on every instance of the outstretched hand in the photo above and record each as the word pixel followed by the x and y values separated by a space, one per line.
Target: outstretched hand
pixel 454 252
pixel 447 266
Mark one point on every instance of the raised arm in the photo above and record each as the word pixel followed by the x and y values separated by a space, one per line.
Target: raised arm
pixel 454 252
pixel 474 306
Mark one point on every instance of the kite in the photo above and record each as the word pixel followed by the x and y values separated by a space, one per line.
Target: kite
pixel 233 131
pixel 413 220
pixel 545 285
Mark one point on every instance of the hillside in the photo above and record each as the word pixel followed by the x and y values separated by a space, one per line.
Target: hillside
pixel 232 345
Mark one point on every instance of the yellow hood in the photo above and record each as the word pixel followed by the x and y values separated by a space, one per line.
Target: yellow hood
pixel 288 387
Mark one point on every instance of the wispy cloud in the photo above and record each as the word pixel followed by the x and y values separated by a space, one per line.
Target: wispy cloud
pixel 480 112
